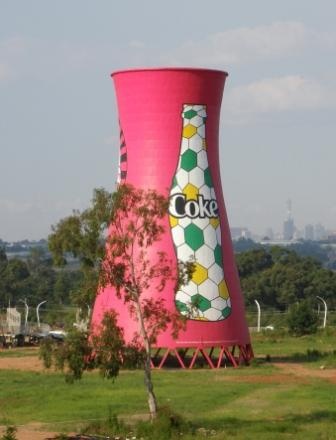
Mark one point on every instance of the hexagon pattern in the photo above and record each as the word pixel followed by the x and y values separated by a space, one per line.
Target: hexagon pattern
pixel 196 231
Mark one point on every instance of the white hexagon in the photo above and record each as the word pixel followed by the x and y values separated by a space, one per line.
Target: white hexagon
pixel 187 108
pixel 184 144
pixel 178 235
pixel 183 297
pixel 216 273
pixel 213 194
pixel 208 289
pixel 196 143
pixel 228 301
pixel 201 131
pixel 219 303
pixel 210 237
pixel 202 223
pixel 198 107
pixel 213 314
pixel 205 256
pixel 184 221
pixel 196 177
pixel 191 288
pixel 196 121
pixel 202 112
pixel 184 252
pixel 181 177
pixel 205 192
pixel 176 190
pixel 202 159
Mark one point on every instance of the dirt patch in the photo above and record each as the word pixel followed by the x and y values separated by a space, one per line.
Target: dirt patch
pixel 31 432
pixel 302 372
pixel 26 363
pixel 272 378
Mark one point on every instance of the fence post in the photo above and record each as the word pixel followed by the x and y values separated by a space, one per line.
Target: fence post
pixel 259 315
pixel 325 311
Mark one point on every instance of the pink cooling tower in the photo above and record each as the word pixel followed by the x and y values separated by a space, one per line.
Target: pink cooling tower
pixel 169 120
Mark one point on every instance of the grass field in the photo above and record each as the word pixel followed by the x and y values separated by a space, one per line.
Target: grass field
pixel 264 401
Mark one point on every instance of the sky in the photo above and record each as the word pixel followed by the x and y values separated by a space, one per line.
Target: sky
pixel 58 117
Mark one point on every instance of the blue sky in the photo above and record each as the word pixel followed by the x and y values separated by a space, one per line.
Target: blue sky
pixel 58 116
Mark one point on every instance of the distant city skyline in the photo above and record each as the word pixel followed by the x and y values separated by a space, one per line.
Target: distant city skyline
pixel 59 136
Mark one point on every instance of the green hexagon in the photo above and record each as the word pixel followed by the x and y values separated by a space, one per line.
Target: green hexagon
pixel 189 160
pixel 200 302
pixel 193 236
pixel 181 306
pixel 218 255
pixel 189 114
pixel 226 312
pixel 208 178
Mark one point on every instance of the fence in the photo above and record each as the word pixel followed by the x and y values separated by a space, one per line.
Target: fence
pixel 272 319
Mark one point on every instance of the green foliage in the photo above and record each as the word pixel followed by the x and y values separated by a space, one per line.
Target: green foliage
pixel 83 236
pixel 167 425
pixel 10 433
pixel 302 319
pixel 105 349
pixel 245 244
pixel 112 426
pixel 128 258
pixel 108 346
pixel 35 280
pixel 72 355
pixel 278 277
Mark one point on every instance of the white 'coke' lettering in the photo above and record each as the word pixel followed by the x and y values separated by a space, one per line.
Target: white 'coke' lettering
pixel 180 207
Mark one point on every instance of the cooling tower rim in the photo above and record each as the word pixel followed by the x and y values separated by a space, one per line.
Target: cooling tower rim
pixel 170 69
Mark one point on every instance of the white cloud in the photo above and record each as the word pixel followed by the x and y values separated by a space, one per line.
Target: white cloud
pixel 292 92
pixel 245 44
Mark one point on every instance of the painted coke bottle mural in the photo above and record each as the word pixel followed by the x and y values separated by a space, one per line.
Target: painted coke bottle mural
pixel 169 121
pixel 195 224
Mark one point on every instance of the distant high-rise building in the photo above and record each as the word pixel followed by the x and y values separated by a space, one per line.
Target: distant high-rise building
pixel 309 232
pixel 269 234
pixel 238 232
pixel 288 224
pixel 319 232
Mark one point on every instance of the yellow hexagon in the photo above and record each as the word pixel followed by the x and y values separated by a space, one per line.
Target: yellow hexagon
pixel 190 191
pixel 173 221
pixel 214 222
pixel 223 290
pixel 189 131
pixel 201 318
pixel 200 274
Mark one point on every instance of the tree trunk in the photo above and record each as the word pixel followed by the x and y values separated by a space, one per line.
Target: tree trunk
pixel 152 404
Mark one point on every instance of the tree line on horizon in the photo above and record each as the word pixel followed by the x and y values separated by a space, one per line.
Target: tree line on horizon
pixel 275 276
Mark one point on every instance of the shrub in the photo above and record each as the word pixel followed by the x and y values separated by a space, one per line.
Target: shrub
pixel 301 319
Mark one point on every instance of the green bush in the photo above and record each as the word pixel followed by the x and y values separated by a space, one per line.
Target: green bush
pixel 301 319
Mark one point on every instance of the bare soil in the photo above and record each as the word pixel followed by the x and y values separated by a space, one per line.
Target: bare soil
pixel 31 431
pixel 27 363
